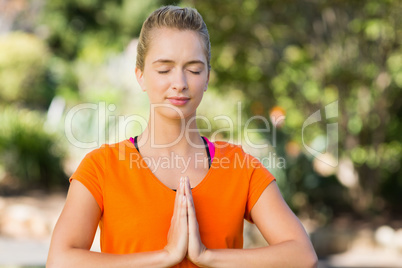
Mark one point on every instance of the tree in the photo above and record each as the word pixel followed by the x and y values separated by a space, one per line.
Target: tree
pixel 302 56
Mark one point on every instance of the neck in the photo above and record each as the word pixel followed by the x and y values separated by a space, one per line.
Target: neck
pixel 167 134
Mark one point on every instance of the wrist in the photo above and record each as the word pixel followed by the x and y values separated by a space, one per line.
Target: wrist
pixel 204 260
pixel 170 259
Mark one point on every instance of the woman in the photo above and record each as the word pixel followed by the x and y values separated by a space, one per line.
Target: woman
pixel 189 211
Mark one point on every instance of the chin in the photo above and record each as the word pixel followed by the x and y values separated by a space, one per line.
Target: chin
pixel 175 112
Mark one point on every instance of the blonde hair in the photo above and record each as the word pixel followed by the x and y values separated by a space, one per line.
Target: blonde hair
pixel 172 17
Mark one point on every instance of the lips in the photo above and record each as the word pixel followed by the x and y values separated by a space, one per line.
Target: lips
pixel 179 97
pixel 178 100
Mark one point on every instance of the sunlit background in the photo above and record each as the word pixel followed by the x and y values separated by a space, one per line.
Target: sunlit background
pixel 322 78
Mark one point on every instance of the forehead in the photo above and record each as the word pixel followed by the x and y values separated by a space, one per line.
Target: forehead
pixel 175 44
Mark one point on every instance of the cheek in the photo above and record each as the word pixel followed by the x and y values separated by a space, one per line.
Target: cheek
pixel 198 89
pixel 200 82
pixel 156 84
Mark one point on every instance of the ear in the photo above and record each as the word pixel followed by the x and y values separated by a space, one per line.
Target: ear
pixel 140 78
pixel 206 84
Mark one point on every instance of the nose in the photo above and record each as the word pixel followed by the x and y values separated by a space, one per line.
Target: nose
pixel 179 81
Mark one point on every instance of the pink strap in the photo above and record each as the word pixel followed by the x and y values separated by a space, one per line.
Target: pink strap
pixel 211 147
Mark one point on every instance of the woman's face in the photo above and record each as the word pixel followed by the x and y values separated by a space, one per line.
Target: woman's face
pixel 175 72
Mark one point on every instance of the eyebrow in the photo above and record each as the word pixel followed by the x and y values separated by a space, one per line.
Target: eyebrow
pixel 170 62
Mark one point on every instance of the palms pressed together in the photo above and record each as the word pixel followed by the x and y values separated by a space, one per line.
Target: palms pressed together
pixel 184 236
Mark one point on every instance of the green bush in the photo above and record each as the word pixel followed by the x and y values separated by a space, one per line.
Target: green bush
pixel 24 76
pixel 30 157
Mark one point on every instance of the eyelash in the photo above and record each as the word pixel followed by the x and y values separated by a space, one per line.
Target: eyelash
pixel 165 72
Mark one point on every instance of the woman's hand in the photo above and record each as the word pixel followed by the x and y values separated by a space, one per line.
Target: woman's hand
pixel 196 249
pixel 178 232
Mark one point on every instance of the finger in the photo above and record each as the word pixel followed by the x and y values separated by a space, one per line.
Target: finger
pixel 187 188
pixel 182 193
pixel 176 209
pixel 181 203
pixel 183 210
pixel 192 219
pixel 177 193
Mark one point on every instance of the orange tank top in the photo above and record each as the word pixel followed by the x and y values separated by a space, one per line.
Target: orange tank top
pixel 137 207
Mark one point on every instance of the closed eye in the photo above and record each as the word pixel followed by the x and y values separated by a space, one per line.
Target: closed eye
pixel 194 72
pixel 163 72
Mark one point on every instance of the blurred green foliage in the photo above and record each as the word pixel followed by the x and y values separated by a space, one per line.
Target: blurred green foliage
pixel 90 29
pixel 30 156
pixel 303 55
pixel 23 70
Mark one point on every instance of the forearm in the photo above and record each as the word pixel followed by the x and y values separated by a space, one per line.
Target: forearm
pixel 75 257
pixel 286 254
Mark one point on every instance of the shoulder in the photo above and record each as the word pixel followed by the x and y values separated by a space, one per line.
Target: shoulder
pixel 232 150
pixel 240 159
pixel 110 149
pixel 235 154
pixel 225 147
pixel 105 157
